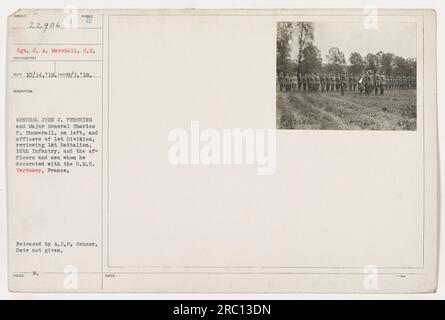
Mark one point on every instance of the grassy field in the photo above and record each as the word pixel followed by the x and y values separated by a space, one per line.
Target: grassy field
pixel 395 110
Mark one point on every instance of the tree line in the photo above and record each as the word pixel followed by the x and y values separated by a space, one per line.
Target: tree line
pixel 308 57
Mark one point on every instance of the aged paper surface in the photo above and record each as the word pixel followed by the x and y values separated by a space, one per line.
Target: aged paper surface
pixel 222 151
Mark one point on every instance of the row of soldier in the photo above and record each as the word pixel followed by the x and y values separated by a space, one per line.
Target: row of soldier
pixel 367 82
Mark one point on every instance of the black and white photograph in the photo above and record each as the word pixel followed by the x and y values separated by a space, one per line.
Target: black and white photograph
pixel 346 76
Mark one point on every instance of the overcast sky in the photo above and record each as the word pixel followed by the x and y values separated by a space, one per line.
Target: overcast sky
pixel 398 38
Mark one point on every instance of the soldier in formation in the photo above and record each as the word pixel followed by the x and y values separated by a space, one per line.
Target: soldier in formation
pixel 368 82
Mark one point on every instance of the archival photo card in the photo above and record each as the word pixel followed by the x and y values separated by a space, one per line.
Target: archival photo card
pixel 222 151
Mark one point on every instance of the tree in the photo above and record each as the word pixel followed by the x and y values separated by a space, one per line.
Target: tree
pixel 297 34
pixel 404 67
pixel 371 62
pixel 305 37
pixel 336 59
pixel 378 59
pixel 386 63
pixel 412 66
pixel 284 38
pixel 356 63
pixel 311 59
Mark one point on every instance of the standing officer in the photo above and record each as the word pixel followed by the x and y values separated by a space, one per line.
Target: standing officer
pixel 350 82
pixel 354 82
pixel 361 82
pixel 376 82
pixel 294 82
pixel 337 82
pixel 328 82
pixel 287 81
pixel 323 82
pixel 382 83
pixel 343 82
pixel 281 80
pixel 312 82
pixel 317 82
pixel 368 82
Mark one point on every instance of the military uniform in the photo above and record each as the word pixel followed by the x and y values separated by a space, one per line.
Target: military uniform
pixel 337 82
pixel 294 82
pixel 376 82
pixel 306 82
pixel 322 82
pixel 368 82
pixel 312 82
pixel 281 81
pixel 354 82
pixel 343 82
pixel 287 82
pixel 361 82
pixel 317 82
pixel 382 83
